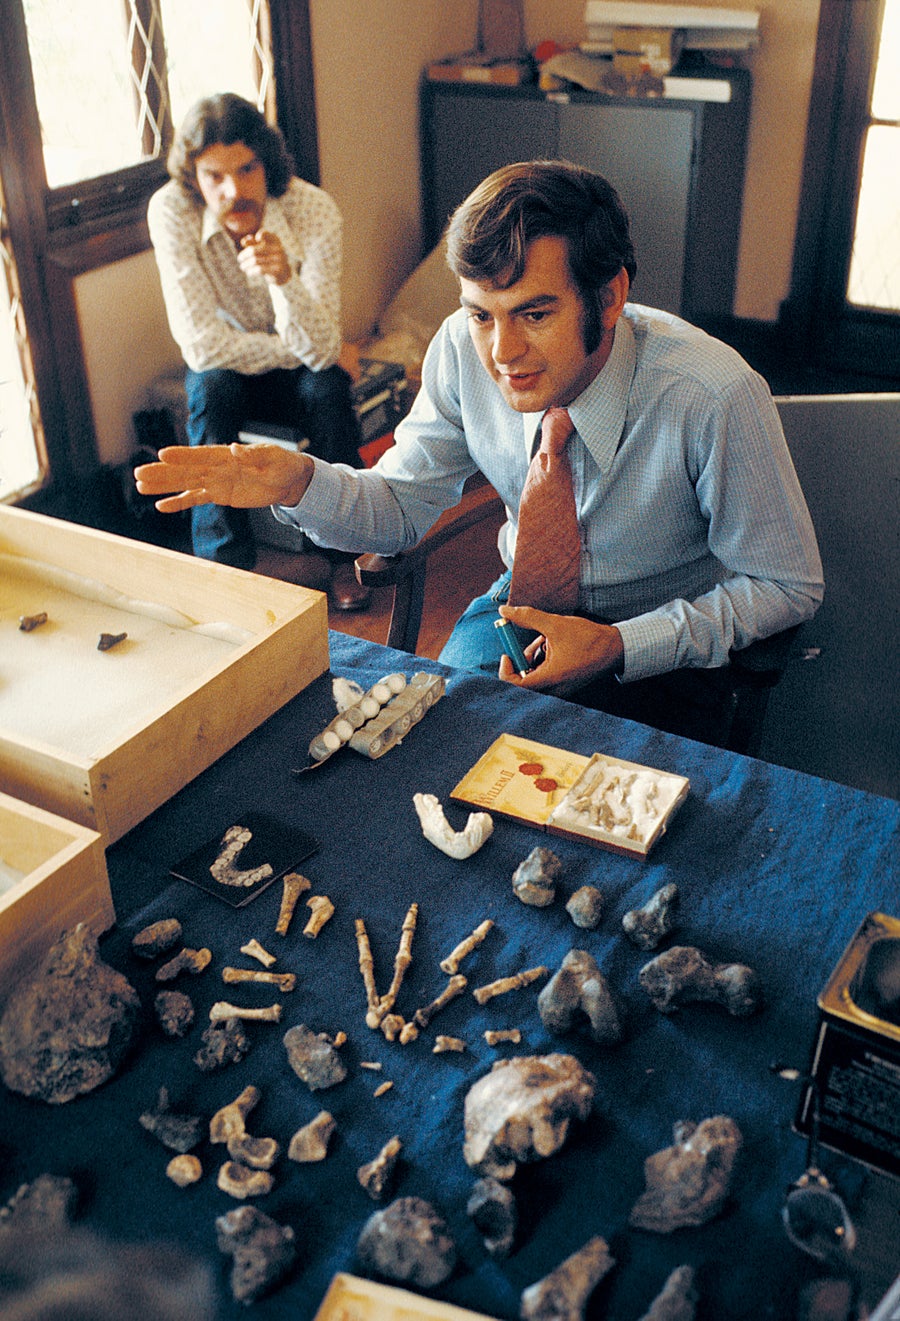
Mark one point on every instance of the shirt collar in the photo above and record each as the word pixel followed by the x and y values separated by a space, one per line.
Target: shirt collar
pixel 599 412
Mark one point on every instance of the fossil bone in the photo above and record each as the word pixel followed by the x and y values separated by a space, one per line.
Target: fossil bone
pixel 562 1295
pixel 28 623
pixel 534 880
pixel 585 907
pixel 239 1181
pixel 577 991
pixel 107 641
pixel 495 1036
pixel 178 1132
pixel 310 1143
pixel 451 963
pixel 678 1299
pixel 285 981
pixel 262 1251
pixel 402 959
pixel 436 828
pixel 442 1044
pixel 187 960
pixel 230 1121
pixel 224 868
pixel 492 1209
pixel 367 970
pixel 457 983
pixel 376 1175
pixel 516 982
pixel 254 950
pixel 174 1012
pixel 257 1153
pixel 383 1087
pixel 408 1241
pixel 688 1182
pixel 293 885
pixel 647 926
pixel 222 1010
pixel 321 910
pixel 683 973
pixel 375 1065
pixel 157 938
pixel 522 1109
pixel 222 1043
pixel 184 1170
pixel 313 1058
pixel 393 1027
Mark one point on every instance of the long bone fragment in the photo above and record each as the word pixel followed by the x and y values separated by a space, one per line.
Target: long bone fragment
pixel 367 969
pixel 422 1017
pixel 293 885
pixel 402 959
pixel 285 981
pixel 451 963
pixel 437 830
pixel 516 982
pixel 222 1010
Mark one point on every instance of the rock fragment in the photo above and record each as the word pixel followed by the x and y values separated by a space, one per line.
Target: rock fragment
pixel 313 1058
pixel 156 939
pixel 534 880
pixel 585 907
pixel 688 1182
pixel 409 1242
pixel 174 1013
pixel 562 1295
pixel 646 927
pixel 223 1043
pixel 178 1132
pixel 262 1251
pixel 492 1209
pixel 678 1299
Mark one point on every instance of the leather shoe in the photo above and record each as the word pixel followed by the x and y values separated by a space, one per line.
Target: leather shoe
pixel 344 592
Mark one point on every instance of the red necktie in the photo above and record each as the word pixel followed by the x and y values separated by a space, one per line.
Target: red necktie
pixel 548 542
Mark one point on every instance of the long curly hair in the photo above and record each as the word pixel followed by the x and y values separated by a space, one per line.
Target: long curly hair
pixel 228 118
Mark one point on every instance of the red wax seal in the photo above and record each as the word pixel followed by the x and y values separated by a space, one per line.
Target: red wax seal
pixel 531 768
pixel 546 785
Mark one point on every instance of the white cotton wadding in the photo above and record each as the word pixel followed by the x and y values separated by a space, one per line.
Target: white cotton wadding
pixel 438 831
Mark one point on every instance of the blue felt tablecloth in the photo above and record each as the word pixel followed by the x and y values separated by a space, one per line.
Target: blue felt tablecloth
pixel 775 869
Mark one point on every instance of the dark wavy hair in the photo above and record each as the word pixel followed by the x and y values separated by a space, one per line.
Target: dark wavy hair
pixel 489 233
pixel 228 118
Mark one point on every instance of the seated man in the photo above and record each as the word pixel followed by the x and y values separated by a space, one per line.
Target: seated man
pixel 249 259
pixel 692 538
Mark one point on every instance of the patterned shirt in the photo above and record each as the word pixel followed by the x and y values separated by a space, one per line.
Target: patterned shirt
pixel 221 318
pixel 695 534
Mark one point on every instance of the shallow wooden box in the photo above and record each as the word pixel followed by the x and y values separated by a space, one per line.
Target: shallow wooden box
pixel 103 738
pixel 53 877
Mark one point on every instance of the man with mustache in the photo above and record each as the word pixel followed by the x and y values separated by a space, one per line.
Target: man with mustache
pixel 249 259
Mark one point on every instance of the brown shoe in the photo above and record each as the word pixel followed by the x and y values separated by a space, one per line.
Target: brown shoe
pixel 344 592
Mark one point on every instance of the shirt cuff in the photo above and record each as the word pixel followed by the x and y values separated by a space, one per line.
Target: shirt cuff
pixel 650 646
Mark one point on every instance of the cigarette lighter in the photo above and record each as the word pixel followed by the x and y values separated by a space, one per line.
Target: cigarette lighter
pixel 511 645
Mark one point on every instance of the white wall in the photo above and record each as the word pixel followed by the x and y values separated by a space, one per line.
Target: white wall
pixel 368 59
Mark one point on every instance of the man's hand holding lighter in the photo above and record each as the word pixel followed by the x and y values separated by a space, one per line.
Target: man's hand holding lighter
pixel 567 653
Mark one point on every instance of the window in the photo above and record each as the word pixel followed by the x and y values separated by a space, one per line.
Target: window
pixel 89 93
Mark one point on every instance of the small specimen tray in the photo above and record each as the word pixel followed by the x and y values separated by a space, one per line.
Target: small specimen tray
pixel 104 738
pixel 350 1298
pixel 53 877
pixel 541 785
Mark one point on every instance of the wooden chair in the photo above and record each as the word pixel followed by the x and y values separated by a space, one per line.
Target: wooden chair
pixel 756 669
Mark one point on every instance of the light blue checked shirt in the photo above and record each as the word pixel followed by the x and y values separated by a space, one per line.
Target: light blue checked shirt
pixel 695 534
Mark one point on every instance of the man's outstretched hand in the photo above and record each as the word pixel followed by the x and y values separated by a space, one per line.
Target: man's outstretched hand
pixel 243 476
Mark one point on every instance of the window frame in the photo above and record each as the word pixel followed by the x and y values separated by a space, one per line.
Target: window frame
pixel 60 233
pixel 824 330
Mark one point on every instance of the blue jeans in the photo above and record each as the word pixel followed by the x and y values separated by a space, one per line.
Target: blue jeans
pixel 221 403
pixel 474 643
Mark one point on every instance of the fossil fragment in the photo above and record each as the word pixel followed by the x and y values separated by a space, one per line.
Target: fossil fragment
pixel 585 907
pixel 377 1175
pixel 231 1120
pixel 310 1143
pixel 402 959
pixel 515 982
pixel 442 1044
pixel 178 1132
pixel 687 1183
pixel 578 993
pixel 222 1011
pixel 521 1111
pixel 254 950
pixel 375 1065
pixel 678 1299
pixel 66 1029
pixel 393 1026
pixel 28 623
pixel 224 868
pixel 193 961
pixel 437 830
pixel 184 1170
pixel 683 973
pixel 408 1241
pixel 223 1042
pixel 495 1036
pixel 647 926
pixel 455 986
pixel 292 886
pixel 257 1153
pixel 285 981
pixel 240 1181
pixel 534 880
pixel 107 641
pixel 383 1087
pixel 46 1203
pixel 313 1058
pixel 367 970
pixel 262 1251
pixel 562 1295
pixel 492 1209
pixel 174 1013
pixel 451 963
pixel 157 938
pixel 321 910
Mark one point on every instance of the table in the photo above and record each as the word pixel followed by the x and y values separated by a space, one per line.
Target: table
pixel 775 869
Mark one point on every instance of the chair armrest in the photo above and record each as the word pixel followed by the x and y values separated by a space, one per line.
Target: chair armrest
pixel 406 572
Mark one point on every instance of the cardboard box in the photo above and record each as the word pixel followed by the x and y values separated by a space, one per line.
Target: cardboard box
pixel 52 876
pixel 103 738
pixel 350 1298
